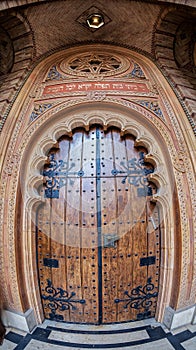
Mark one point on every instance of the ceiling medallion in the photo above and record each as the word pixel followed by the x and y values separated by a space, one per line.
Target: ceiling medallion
pixel 93 19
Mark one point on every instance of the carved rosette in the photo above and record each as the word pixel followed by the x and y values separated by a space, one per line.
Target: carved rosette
pixel 95 64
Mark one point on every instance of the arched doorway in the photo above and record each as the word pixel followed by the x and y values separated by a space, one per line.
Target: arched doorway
pixel 98 230
pixel 52 108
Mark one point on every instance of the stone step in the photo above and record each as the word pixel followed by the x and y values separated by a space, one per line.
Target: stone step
pixel 141 335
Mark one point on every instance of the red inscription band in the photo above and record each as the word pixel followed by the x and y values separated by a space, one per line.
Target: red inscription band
pixel 94 86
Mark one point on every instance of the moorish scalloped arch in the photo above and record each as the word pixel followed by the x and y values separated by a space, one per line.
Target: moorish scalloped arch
pixel 128 121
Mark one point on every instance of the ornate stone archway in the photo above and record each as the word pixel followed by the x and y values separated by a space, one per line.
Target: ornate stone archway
pixel 42 119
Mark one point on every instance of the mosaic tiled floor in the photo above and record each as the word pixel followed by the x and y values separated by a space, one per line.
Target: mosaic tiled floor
pixel 143 335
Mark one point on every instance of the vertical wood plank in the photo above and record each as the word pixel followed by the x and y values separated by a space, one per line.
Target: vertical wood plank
pixel 124 214
pixel 89 238
pixel 109 229
pixel 73 228
pixel 139 229
pixel 58 230
pixel 154 247
pixel 44 250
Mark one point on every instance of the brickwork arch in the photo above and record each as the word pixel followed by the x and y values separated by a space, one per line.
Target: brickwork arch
pixel 174 41
pixel 19 40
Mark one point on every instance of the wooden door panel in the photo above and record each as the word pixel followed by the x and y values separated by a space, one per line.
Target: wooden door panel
pixel 98 231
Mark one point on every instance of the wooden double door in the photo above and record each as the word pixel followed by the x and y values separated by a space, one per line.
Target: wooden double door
pixel 98 231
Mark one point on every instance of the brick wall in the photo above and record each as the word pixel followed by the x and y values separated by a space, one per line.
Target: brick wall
pixel 174 50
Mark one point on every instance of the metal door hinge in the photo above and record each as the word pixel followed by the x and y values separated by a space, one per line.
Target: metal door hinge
pixel 149 260
pixel 51 262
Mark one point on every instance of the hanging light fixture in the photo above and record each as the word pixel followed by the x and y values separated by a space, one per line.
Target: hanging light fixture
pixel 95 21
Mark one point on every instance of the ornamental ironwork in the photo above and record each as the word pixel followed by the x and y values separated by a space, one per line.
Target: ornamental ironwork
pixel 140 297
pixel 57 174
pixel 135 172
pixel 60 300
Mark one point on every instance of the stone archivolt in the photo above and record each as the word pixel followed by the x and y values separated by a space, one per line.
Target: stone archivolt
pixel 26 153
